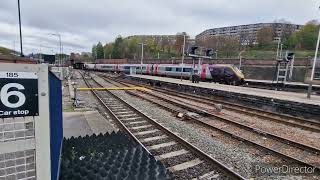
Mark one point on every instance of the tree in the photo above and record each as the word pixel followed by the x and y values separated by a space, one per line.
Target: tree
pixel 108 49
pixel 265 36
pixel 100 51
pixel 117 51
pixel 94 51
pixel 306 38
pixel 133 47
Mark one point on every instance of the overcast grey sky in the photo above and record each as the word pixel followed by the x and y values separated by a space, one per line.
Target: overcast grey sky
pixel 84 22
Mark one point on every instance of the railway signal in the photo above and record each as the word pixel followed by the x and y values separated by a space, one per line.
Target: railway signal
pixel 290 56
pixel 208 52
pixel 192 50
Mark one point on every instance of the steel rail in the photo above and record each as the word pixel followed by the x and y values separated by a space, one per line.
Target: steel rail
pixel 306 124
pixel 186 144
pixel 300 146
pixel 114 116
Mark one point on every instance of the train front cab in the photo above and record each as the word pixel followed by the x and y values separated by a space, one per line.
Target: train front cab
pixel 226 74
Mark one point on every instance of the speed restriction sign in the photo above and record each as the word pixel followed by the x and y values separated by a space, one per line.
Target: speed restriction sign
pixel 18 94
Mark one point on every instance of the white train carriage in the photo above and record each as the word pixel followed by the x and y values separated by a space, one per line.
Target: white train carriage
pixel 223 73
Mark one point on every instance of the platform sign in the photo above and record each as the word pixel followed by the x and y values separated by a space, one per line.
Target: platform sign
pixel 18 94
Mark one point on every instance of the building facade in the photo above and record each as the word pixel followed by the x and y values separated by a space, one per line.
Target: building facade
pixel 248 32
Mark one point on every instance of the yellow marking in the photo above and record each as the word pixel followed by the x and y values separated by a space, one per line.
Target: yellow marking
pixel 112 88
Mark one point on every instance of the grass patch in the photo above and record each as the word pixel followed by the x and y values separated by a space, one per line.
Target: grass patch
pixel 268 54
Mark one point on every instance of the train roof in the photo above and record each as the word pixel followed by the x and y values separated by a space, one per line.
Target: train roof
pixel 163 65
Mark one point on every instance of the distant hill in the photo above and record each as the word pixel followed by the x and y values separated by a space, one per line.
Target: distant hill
pixel 7 52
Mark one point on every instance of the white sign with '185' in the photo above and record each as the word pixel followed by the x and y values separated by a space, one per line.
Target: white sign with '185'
pixel 18 94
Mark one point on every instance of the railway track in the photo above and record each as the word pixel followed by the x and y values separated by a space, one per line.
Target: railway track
pixel 301 153
pixel 306 124
pixel 183 159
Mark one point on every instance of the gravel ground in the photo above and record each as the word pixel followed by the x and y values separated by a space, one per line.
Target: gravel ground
pixel 280 129
pixel 239 158
pixel 289 132
pixel 229 155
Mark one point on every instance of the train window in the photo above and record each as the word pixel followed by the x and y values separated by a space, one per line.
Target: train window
pixel 228 72
pixel 137 67
pixel 236 69
pixel 127 67
pixel 143 68
pixel 186 69
pixel 168 68
pixel 178 69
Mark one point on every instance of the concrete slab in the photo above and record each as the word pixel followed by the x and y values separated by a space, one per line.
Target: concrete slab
pixel 71 90
pixel 185 165
pixel 153 138
pixel 141 127
pixel 158 146
pixel 85 123
pixel 131 119
pixel 171 154
pixel 136 122
pixel 98 123
pixel 75 124
pixel 146 132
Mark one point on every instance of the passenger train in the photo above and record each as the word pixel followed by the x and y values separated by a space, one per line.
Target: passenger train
pixel 222 73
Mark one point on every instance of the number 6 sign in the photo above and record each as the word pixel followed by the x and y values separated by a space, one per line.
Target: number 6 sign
pixel 18 94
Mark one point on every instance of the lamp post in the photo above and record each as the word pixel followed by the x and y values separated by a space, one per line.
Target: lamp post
pixel 313 67
pixel 21 51
pixel 240 58
pixel 141 62
pixel 60 46
pixel 182 59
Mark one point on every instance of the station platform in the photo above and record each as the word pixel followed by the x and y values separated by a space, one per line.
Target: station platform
pixel 281 101
pixel 287 96
pixel 300 85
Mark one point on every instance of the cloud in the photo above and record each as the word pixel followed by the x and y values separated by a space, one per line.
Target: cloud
pixel 85 22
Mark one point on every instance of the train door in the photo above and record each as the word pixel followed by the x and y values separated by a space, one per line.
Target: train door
pixel 203 71
pixel 156 70
pixel 148 70
pixel 151 69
